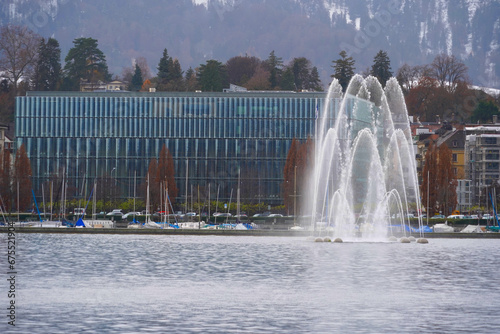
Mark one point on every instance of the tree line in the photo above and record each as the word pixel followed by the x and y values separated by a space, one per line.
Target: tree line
pixel 30 62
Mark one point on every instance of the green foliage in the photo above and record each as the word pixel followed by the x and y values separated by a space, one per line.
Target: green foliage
pixel 128 205
pixel 344 69
pixel 136 82
pixel 484 112
pixel 164 70
pixel 287 81
pixel 275 66
pixel 300 69
pixel 212 76
pixel 304 76
pixel 381 68
pixel 314 80
pixel 169 76
pixel 85 61
pixel 191 83
pixel 47 72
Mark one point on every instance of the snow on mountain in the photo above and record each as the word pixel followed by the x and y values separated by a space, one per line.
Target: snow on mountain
pixel 411 31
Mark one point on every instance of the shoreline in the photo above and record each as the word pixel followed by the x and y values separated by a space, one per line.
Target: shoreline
pixel 222 232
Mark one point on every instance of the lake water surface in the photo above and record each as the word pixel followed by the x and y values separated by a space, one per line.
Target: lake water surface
pixel 224 284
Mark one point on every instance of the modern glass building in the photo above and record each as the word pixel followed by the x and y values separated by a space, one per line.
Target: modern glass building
pixel 214 138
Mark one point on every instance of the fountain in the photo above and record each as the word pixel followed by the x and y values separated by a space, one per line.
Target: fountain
pixel 364 181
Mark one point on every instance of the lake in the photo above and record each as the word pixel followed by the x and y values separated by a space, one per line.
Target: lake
pixel 83 283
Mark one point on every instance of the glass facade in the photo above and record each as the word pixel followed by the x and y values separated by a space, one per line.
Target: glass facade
pixel 213 137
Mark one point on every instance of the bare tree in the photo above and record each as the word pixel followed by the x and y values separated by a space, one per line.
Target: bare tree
pixel 128 72
pixel 449 71
pixel 18 52
pixel 410 76
pixel 22 177
pixel 145 69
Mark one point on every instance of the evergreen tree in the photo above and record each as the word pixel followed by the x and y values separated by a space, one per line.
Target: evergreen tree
pixel 7 99
pixel 85 61
pixel 164 67
pixel 300 68
pixel 47 73
pixel 484 112
pixel 381 68
pixel 212 76
pixel 314 80
pixel 176 82
pixel 136 82
pixel 287 80
pixel 275 68
pixel 344 69
pixel 303 75
pixel 190 80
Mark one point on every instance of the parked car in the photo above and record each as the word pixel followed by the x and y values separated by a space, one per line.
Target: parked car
pixel 131 214
pixel 455 217
pixel 115 213
pixel 222 214
pixel 275 215
pixel 438 217
pixel 79 211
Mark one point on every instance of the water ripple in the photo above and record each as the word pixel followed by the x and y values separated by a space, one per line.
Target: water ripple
pixel 213 284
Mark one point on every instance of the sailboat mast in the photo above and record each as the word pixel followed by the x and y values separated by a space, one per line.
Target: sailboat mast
pixel 238 197
pixel 187 173
pixel 147 202
pixel 43 201
pixel 199 208
pixel 94 201
pixel 135 184
pixel 229 206
pixel 18 214
pixel 51 198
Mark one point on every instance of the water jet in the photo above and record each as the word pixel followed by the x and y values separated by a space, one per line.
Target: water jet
pixel 364 183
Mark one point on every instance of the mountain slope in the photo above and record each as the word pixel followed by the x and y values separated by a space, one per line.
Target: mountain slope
pixel 411 31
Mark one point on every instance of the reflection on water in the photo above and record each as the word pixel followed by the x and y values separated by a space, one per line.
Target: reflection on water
pixel 214 284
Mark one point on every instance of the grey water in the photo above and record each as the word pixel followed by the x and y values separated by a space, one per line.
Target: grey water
pixel 224 284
